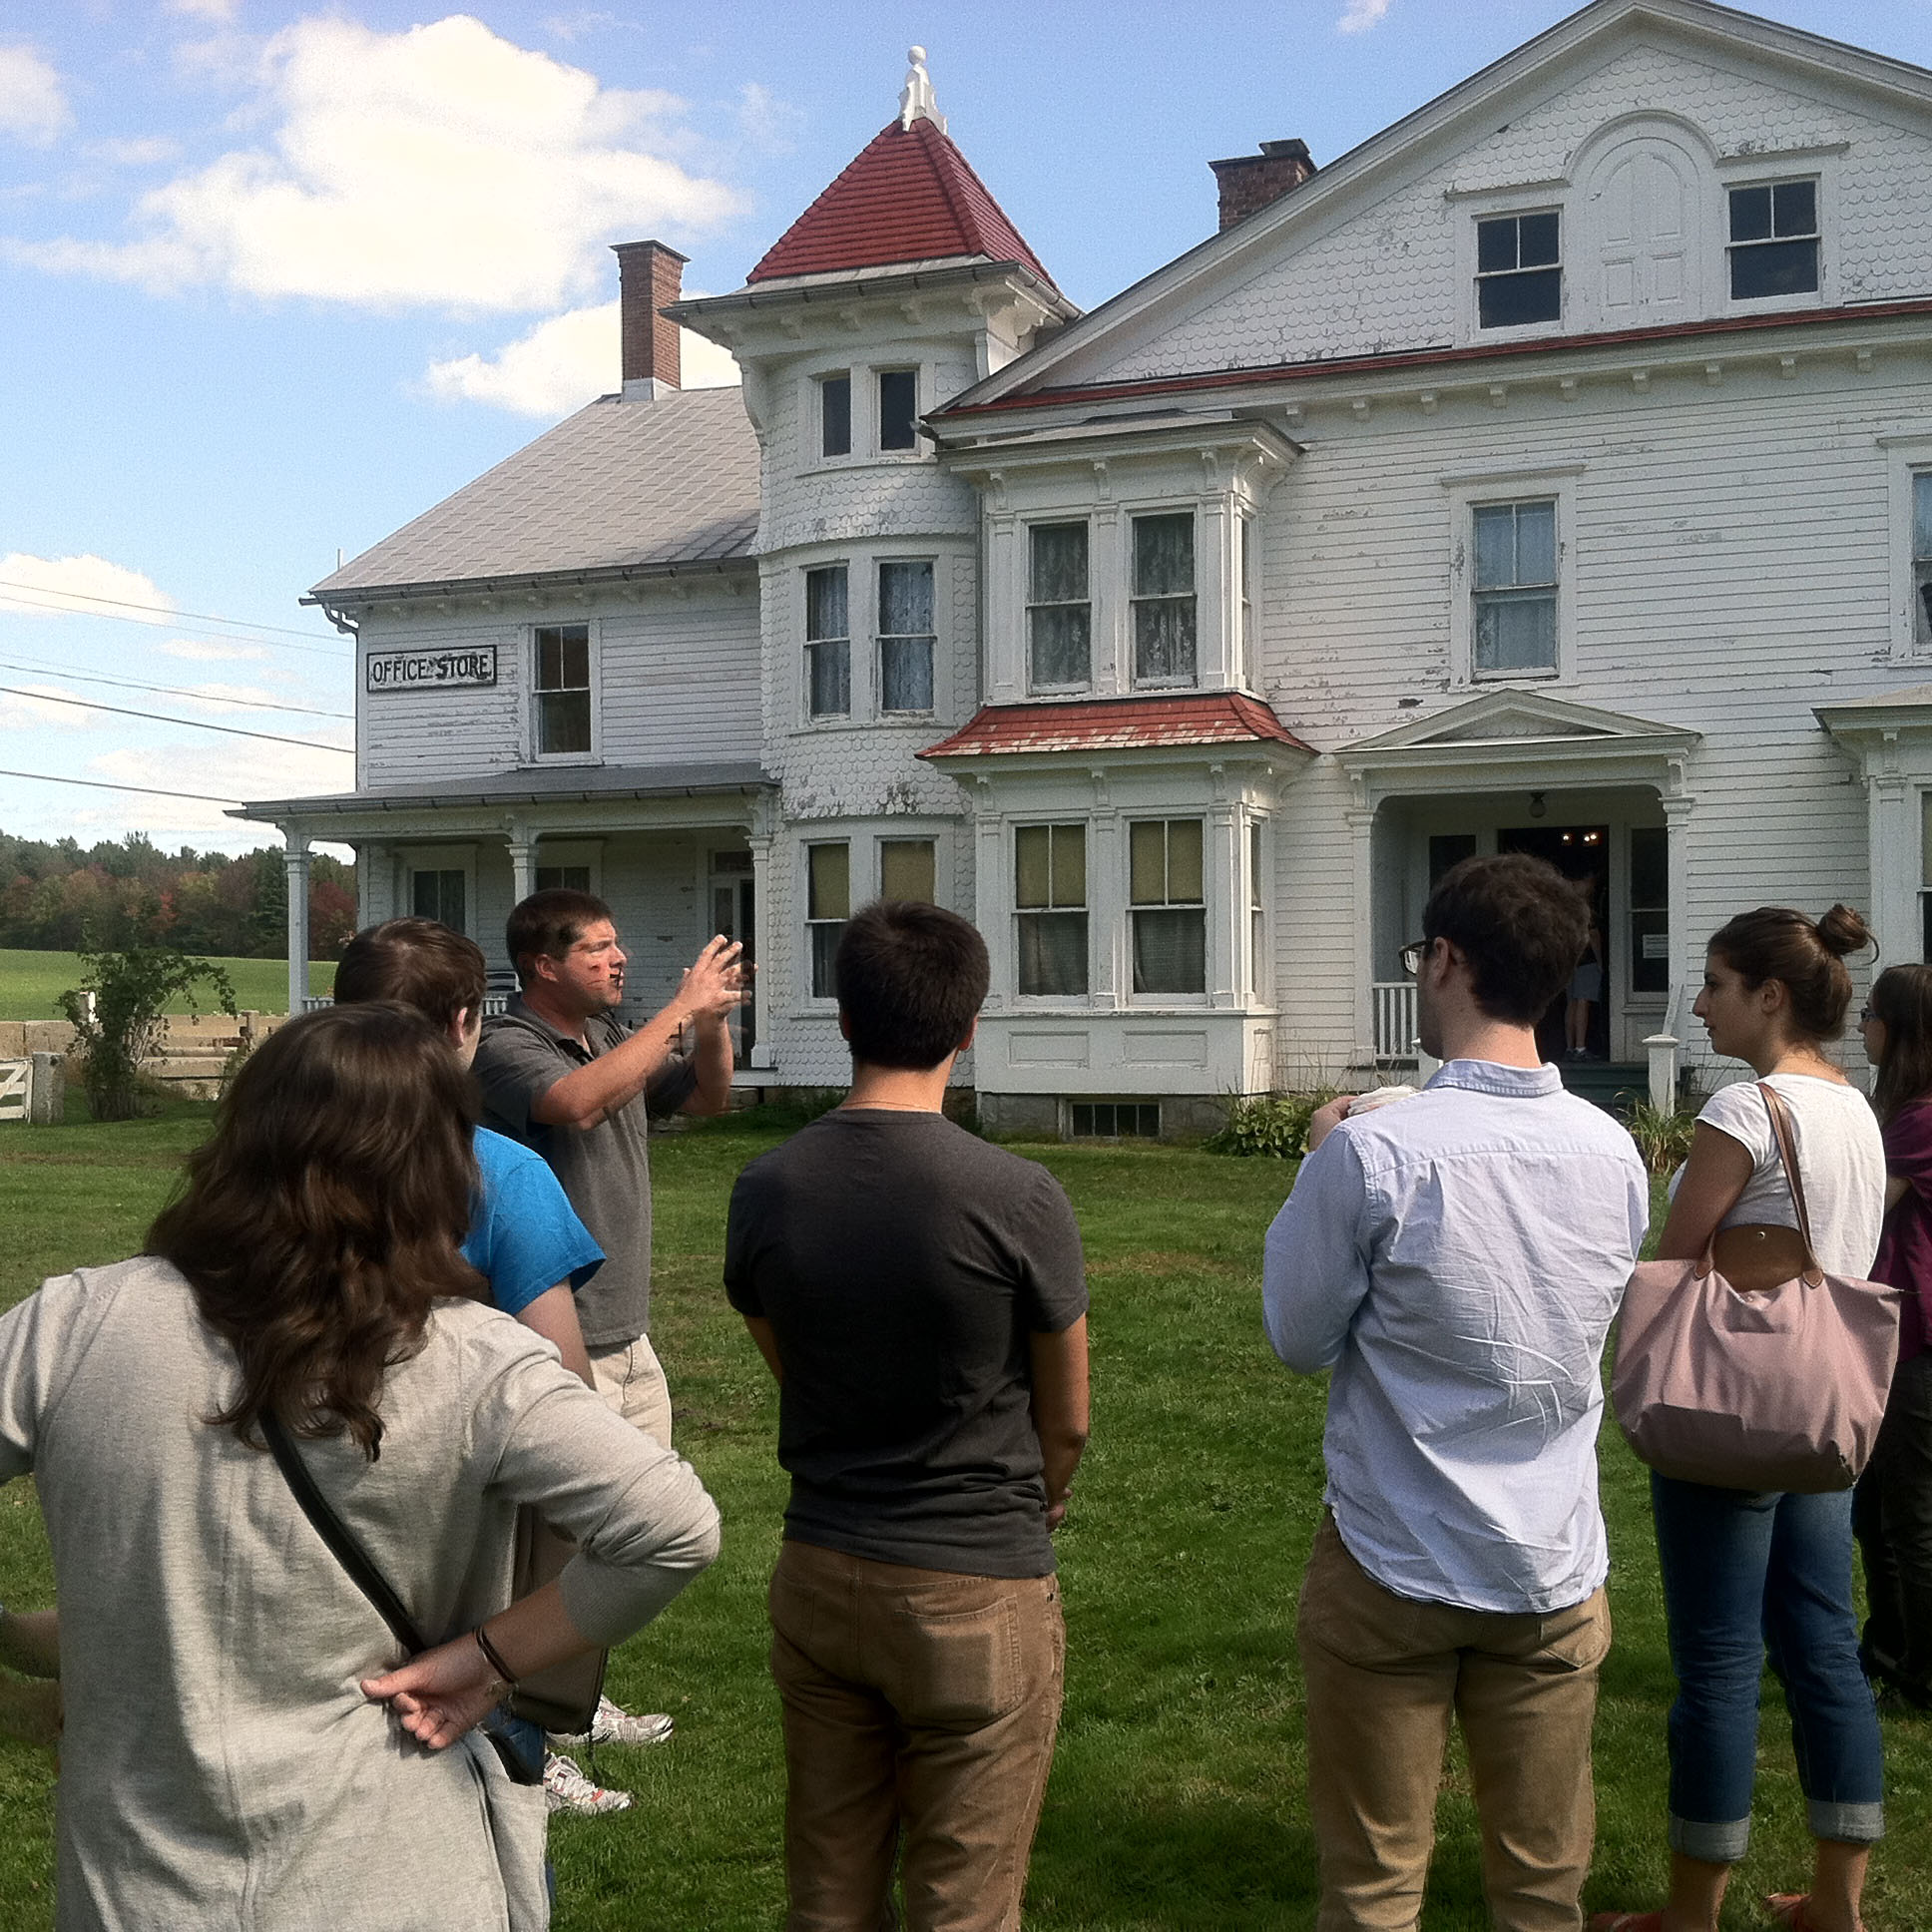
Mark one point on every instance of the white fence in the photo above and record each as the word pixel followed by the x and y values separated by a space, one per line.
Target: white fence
pixel 1394 1019
pixel 33 1089
pixel 493 1003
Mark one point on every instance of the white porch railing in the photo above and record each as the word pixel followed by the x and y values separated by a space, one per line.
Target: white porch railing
pixel 1394 1019
pixel 493 1003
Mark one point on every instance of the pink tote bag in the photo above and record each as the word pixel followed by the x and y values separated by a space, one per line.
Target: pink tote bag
pixel 1782 1388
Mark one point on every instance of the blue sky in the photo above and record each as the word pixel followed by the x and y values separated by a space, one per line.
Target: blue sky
pixel 275 279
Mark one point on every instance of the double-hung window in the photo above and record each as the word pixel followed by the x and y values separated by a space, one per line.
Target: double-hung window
pixel 1519 271
pixel 1060 609
pixel 1922 558
pixel 828 904
pixel 1515 614
pixel 898 408
pixel 440 896
pixel 1167 907
pixel 563 688
pixel 1164 599
pixel 1257 914
pixel 835 416
pixel 907 870
pixel 1774 239
pixel 828 644
pixel 1050 901
pixel 1243 567
pixel 905 637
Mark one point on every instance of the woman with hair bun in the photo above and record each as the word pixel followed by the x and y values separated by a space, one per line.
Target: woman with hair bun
pixel 242 1743
pixel 1749 1573
pixel 1892 1507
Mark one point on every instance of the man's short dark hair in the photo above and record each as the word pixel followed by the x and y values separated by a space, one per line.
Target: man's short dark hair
pixel 549 925
pixel 1521 925
pixel 418 963
pixel 910 979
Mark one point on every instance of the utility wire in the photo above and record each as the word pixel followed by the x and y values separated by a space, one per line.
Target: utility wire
pixel 239 627
pixel 163 718
pixel 101 784
pixel 166 691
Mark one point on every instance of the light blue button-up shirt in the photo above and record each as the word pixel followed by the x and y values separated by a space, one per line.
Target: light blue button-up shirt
pixel 1457 1260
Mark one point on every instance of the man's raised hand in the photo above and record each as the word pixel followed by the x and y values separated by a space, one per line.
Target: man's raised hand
pixel 715 983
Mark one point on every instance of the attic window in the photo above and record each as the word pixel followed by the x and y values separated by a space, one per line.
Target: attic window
pixel 1774 240
pixel 1519 273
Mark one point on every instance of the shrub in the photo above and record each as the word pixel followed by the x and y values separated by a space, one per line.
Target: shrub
pixel 1268 1125
pixel 122 1024
pixel 1663 1138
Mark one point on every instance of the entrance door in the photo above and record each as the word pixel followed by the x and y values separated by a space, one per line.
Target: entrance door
pixel 731 911
pixel 1582 854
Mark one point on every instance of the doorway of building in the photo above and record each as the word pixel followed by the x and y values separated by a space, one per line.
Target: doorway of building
pixel 731 915
pixel 1582 854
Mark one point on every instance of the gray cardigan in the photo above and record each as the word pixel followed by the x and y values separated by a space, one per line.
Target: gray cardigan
pixel 221 1765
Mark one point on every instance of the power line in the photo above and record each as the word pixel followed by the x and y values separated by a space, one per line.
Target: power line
pixel 168 690
pixel 239 627
pixel 163 718
pixel 101 784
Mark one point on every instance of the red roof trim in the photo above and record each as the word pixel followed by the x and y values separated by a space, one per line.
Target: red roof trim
pixel 909 194
pixel 1434 358
pixel 1118 723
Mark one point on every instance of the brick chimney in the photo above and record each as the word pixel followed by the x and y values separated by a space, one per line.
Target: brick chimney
pixel 649 277
pixel 1248 182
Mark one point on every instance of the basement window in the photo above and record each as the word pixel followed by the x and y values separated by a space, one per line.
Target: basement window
pixel 1114 1120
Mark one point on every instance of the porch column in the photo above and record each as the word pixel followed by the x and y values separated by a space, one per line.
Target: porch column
pixel 1107 893
pixel 1362 840
pixel 761 1055
pixel 1676 821
pixel 521 839
pixel 989 896
pixel 294 860
pixel 1892 842
pixel 1227 907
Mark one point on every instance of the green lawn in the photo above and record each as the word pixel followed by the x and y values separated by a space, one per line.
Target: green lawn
pixel 1178 1795
pixel 32 983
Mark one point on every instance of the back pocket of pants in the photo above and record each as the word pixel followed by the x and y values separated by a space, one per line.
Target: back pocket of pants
pixel 960 1669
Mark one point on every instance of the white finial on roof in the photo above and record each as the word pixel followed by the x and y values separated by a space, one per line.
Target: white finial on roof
pixel 916 101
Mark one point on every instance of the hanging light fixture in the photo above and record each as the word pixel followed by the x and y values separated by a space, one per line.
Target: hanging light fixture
pixel 1538 807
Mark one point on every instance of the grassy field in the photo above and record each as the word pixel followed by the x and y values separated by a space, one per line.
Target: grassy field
pixel 1177 1795
pixel 31 983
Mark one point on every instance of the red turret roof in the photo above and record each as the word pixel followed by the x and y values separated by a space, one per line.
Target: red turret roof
pixel 908 196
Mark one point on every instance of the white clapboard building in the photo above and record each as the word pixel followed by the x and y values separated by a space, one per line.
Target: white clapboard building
pixel 1552 472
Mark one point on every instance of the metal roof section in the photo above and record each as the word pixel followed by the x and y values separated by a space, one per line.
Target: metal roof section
pixel 548 784
pixel 618 488
pixel 1184 719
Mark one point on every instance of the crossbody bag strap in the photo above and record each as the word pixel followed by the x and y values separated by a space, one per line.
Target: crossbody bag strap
pixel 343 1542
pixel 1788 1154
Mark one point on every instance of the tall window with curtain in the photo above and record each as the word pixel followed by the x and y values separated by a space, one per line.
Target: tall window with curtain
pixel 905 637
pixel 1050 903
pixel 1515 588
pixel 828 644
pixel 1164 599
pixel 828 904
pixel 1060 609
pixel 1257 914
pixel 1167 907
pixel 1243 567
pixel 907 869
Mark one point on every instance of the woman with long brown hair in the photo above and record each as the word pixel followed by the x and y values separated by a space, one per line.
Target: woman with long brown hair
pixel 1892 1507
pixel 1747 1573
pixel 238 1746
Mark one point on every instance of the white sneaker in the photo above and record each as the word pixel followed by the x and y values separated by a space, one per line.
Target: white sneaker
pixel 566 1788
pixel 613 1725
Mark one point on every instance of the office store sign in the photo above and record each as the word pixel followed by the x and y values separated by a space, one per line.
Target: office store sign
pixel 469 667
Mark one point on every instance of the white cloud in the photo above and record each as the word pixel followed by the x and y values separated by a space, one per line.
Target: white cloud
pixel 769 124
pixel 1360 16
pixel 441 164
pixel 212 651
pixel 141 151
pixel 82 584
pixel 23 712
pixel 562 363
pixel 244 771
pixel 217 12
pixel 33 104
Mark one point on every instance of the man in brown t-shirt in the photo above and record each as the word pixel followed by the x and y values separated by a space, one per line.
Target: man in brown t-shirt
pixel 920 1296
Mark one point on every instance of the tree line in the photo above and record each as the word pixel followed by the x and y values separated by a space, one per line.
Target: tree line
pixel 62 896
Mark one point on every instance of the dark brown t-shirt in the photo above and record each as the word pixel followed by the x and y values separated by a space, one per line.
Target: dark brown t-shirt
pixel 903 1264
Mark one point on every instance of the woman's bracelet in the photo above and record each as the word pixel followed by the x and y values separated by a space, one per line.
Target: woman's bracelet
pixel 492 1657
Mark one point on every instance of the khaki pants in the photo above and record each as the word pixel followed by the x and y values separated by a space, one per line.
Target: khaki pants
pixel 920 1702
pixel 1383 1675
pixel 631 1380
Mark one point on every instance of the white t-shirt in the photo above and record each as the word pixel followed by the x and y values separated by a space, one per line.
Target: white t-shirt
pixel 1842 1157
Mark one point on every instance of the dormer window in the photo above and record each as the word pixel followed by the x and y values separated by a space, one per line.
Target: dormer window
pixel 898 408
pixel 1774 239
pixel 1519 272
pixel 835 416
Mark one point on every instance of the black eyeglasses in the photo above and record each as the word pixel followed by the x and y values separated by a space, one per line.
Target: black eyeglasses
pixel 1413 954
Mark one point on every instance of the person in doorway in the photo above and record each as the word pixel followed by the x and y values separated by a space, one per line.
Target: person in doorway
pixel 564 1075
pixel 1747 1574
pixel 1892 1506
pixel 1457 1260
pixel 1586 989
pixel 921 1298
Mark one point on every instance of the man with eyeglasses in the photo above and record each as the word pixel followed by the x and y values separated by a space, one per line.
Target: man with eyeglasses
pixel 1456 1259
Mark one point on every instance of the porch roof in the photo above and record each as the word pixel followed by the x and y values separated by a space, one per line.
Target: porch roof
pixel 1884 711
pixel 527 786
pixel 1195 717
